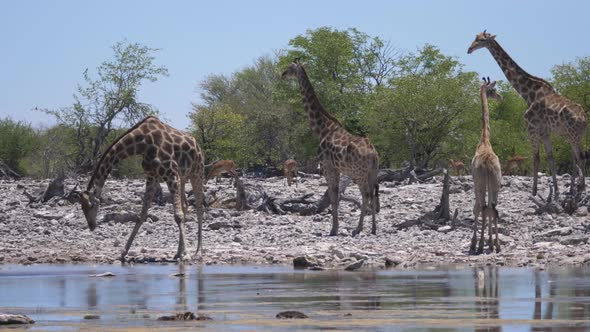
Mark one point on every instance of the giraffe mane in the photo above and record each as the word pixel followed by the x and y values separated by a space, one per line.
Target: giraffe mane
pixel 322 109
pixel 532 77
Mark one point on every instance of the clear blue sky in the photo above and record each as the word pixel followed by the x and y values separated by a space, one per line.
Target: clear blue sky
pixel 46 45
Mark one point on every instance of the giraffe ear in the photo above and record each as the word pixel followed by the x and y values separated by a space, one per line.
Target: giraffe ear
pixel 492 36
pixel 304 64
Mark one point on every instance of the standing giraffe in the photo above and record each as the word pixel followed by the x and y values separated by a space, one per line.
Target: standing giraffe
pixel 548 112
pixel 487 175
pixel 168 155
pixel 340 152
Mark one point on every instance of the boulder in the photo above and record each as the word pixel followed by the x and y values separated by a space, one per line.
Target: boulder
pixel 7 319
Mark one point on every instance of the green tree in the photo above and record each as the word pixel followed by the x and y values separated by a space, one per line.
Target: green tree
pixel 106 103
pixel 48 158
pixel 428 112
pixel 509 135
pixel 243 117
pixel 573 80
pixel 345 66
pixel 219 133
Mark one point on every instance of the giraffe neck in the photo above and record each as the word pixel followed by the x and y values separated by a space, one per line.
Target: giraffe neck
pixel 528 86
pixel 124 147
pixel 320 120
pixel 485 118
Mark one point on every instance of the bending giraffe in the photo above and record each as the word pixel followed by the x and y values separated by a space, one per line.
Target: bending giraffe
pixel 548 112
pixel 340 152
pixel 169 156
pixel 487 176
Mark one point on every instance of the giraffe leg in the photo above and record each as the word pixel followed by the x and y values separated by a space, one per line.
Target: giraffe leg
pixel 151 186
pixel 174 188
pixel 476 213
pixel 580 163
pixel 183 198
pixel 496 218
pixel 536 162
pixel 549 152
pixel 483 228
pixel 374 203
pixel 333 178
pixel 364 204
pixel 197 184
pixel 490 224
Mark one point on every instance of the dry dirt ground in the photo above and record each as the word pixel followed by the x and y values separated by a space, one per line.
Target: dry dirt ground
pixel 56 232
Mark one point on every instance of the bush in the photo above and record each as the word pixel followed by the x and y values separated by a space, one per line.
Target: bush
pixel 17 140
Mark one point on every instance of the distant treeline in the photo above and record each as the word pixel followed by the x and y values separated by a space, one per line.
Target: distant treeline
pixel 418 108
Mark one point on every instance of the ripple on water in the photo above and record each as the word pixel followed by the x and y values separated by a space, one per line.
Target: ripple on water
pixel 249 297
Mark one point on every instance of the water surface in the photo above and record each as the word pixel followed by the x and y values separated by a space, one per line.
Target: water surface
pixel 247 298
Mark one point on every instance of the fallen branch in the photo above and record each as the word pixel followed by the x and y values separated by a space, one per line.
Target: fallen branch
pixel 125 217
pixel 412 173
pixel 7 172
pixel 546 205
pixel 55 188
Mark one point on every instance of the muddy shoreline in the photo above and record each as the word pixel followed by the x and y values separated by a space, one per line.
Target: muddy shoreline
pixel 57 233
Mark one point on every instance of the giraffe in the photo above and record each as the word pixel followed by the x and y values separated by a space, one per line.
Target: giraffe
pixel 547 112
pixel 168 155
pixel 290 170
pixel 340 152
pixel 487 175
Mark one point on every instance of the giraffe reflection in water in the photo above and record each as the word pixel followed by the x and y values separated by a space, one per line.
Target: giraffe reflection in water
pixel 486 295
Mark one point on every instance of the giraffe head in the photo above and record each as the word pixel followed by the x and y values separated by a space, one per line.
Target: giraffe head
pixel 90 205
pixel 490 89
pixel 481 40
pixel 293 69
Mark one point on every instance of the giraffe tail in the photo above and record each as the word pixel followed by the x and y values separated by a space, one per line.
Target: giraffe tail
pixel 376 198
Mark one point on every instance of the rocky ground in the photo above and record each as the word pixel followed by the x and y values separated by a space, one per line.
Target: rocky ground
pixel 56 232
